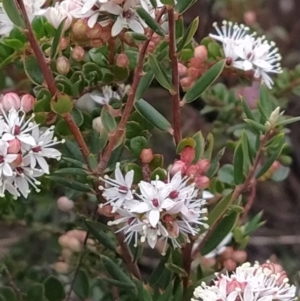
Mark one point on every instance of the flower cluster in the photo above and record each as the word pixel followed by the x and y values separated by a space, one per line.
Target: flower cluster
pixel 248 283
pixel 23 149
pixel 247 52
pixel 171 209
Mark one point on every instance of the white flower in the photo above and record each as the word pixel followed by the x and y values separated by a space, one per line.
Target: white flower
pixel 120 188
pixel 154 199
pixel 17 127
pixel 230 35
pixel 5 160
pixel 106 95
pixel 43 148
pixel 58 13
pixel 259 55
pixel 5 24
pixel 248 283
pixel 127 16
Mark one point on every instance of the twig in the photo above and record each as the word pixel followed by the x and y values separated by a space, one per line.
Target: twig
pixel 12 284
pixel 250 201
pixel 129 104
pixel 187 261
pixel 237 192
pixel 175 75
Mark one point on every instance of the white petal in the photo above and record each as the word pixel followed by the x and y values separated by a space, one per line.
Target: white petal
pixel 112 8
pixel 43 164
pixel 135 26
pixel 129 178
pixel 117 27
pixel 141 207
pixel 27 139
pixel 153 217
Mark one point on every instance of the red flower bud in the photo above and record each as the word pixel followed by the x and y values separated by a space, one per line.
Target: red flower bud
pixel 65 204
pixel 181 69
pixel 187 155
pixel 122 60
pixel 186 82
pixel 11 100
pixel 193 72
pixel 196 62
pixel 64 42
pixel 95 32
pixel 27 102
pixel 146 155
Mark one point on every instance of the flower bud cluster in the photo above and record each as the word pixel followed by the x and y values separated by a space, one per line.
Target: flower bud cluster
pixel 24 147
pixel 194 171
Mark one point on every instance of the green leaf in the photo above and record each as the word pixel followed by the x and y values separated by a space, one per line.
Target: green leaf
pixel 138 174
pixel 238 163
pixel 225 227
pixel 75 185
pixel 179 28
pixel 13 12
pixel 81 286
pixel 33 70
pixel 204 82
pixel 158 173
pixel 178 294
pixel 35 292
pixel 108 120
pixel 115 271
pixel 247 160
pixel 200 145
pixel 225 174
pixel 210 146
pixel 38 26
pixel 247 110
pixel 166 295
pixel 8 293
pixel 118 283
pixel 266 166
pixel 54 289
pixel 120 74
pixel 176 269
pixel 13 43
pixel 167 2
pixel 144 84
pixel 57 39
pixel 62 104
pixel 189 34
pixel 143 293
pixel 100 232
pixel 74 162
pixel 183 6
pixel 152 115
pixel 215 163
pixel 74 150
pixel 92 73
pixel 256 125
pixel 288 121
pixel 71 171
pixel 159 73
pixel 150 21
pixel 184 143
pixel 137 144
pixel 266 103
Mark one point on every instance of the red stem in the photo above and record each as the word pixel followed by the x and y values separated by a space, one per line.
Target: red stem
pixel 175 75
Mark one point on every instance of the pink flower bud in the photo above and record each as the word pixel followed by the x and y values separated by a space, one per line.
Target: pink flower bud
pixel 250 17
pixel 122 60
pixel 146 155
pixel 78 53
pixel 203 165
pixel 193 72
pixel 202 182
pixel 200 52
pixel 61 267
pixel 151 47
pixel 64 204
pixel 196 62
pixel 14 146
pixel 239 256
pixel 11 100
pixel 106 210
pixel 95 32
pixel 63 240
pixel 17 162
pixel 275 166
pixel 78 234
pixel 74 245
pixel 62 65
pixel 192 171
pixel 79 28
pixel 27 102
pixel 96 43
pixel 178 166
pixel 156 38
pixel 64 42
pixel 181 69
pixel 229 265
pixel 186 82
pixel 187 155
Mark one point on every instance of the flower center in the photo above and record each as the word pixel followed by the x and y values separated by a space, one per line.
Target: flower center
pixel 229 61
pixel 123 189
pixel 130 220
pixel 19 169
pixel 155 202
pixel 128 14
pixel 17 130
pixel 168 218
pixel 37 149
pixel 1 159
pixel 174 194
pixel 249 55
